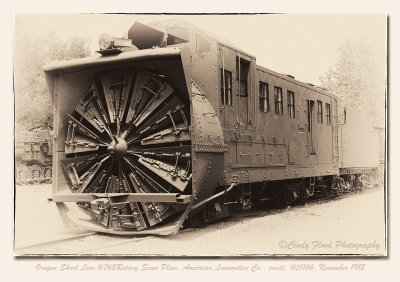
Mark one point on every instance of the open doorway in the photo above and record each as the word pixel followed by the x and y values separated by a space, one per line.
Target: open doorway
pixel 242 77
pixel 310 126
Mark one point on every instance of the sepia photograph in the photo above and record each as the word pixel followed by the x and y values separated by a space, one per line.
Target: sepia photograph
pixel 201 135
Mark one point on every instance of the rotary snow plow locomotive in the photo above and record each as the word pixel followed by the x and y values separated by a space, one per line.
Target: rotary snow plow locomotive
pixel 137 141
pixel 157 130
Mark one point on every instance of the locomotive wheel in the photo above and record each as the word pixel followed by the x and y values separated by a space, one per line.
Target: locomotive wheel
pixel 23 174
pixel 205 216
pixel 47 172
pixel 371 181
pixel 129 133
pixel 199 220
pixel 335 187
pixel 279 196
pixel 303 195
pixel 35 173
pixel 325 188
pixel 240 205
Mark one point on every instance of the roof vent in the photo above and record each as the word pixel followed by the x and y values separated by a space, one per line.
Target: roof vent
pixel 291 76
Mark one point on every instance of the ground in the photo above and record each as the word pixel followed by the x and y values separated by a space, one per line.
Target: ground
pixel 354 224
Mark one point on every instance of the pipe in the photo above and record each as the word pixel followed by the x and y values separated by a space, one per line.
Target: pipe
pixel 198 205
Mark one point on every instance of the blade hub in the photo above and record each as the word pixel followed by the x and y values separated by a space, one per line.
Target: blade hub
pixel 118 149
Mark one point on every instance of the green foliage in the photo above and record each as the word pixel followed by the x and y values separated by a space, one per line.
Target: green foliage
pixel 33 105
pixel 359 76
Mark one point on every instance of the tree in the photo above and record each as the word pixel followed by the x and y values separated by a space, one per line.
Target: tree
pixel 32 99
pixel 359 76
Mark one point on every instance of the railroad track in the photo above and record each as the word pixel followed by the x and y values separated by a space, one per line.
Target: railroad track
pixel 80 244
pixel 90 243
pixel 262 210
pixel 27 248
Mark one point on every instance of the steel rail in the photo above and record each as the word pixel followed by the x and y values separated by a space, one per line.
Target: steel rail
pixel 57 241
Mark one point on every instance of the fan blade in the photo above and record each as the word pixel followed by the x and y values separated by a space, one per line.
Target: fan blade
pixel 116 90
pixel 154 103
pixel 81 170
pixel 81 144
pixel 178 134
pixel 89 107
pixel 74 126
pixel 173 175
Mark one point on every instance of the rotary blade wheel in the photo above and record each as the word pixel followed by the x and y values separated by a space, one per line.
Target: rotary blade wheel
pixel 129 133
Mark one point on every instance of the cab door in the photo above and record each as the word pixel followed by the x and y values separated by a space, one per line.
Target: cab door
pixel 243 78
pixel 236 79
pixel 310 127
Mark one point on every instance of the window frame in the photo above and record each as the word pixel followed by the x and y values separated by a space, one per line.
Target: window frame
pixel 278 103
pixel 328 115
pixel 228 90
pixel 291 107
pixel 243 79
pixel 263 97
pixel 320 112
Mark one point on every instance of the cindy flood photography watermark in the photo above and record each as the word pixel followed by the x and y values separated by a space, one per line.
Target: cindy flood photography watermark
pixel 331 245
